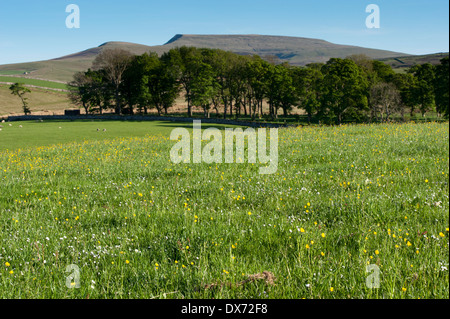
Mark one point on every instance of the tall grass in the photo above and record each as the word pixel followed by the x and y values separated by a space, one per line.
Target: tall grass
pixel 138 226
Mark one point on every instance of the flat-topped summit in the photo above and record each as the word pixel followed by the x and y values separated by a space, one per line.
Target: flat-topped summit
pixel 294 50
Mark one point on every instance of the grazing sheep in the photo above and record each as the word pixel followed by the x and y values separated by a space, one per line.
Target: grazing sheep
pixel 10 124
pixel 98 130
pixel 20 126
pixel 104 130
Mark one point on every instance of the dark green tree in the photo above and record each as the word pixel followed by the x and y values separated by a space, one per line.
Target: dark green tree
pixel 183 61
pixel 382 71
pixel 307 82
pixel 256 71
pixel 441 87
pixel 203 87
pixel 78 91
pixel 422 91
pixel 280 90
pixel 91 90
pixel 134 88
pixel 163 87
pixel 344 90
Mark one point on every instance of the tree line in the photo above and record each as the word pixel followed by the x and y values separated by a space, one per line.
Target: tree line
pixel 356 88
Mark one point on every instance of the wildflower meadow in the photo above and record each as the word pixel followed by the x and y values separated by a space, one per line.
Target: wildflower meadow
pixel 353 211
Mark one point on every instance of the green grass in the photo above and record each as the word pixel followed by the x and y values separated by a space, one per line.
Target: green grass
pixel 139 226
pixel 11 72
pixel 40 83
pixel 20 135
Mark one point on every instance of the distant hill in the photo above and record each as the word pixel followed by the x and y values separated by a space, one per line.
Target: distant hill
pixel 297 51
pixel 405 62
pixel 62 69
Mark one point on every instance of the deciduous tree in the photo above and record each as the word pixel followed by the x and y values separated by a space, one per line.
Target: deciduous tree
pixel 114 63
pixel 20 90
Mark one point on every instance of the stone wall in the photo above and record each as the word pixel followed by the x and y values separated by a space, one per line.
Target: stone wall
pixel 140 118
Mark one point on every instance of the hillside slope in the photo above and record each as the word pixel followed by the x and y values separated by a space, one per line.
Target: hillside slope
pixel 297 51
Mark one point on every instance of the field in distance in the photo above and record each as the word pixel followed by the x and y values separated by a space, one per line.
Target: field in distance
pixel 34 82
pixel 40 101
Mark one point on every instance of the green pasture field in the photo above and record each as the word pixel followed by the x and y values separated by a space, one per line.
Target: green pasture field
pixel 40 83
pixel 136 225
pixel 11 72
pixel 36 134
pixel 20 135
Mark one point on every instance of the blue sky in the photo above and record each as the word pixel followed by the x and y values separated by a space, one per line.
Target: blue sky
pixel 33 30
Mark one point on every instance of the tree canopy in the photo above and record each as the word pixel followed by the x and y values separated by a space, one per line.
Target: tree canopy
pixel 356 88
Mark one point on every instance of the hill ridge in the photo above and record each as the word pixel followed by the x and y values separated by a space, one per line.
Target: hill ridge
pixel 291 49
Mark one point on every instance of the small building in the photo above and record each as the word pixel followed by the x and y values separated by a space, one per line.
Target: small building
pixel 75 112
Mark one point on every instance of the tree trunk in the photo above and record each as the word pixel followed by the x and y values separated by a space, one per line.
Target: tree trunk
pixel 189 103
pixel 245 106
pixel 225 104
pixel 86 108
pixel 118 108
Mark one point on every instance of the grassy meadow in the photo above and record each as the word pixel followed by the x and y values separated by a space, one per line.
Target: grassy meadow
pixel 138 226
